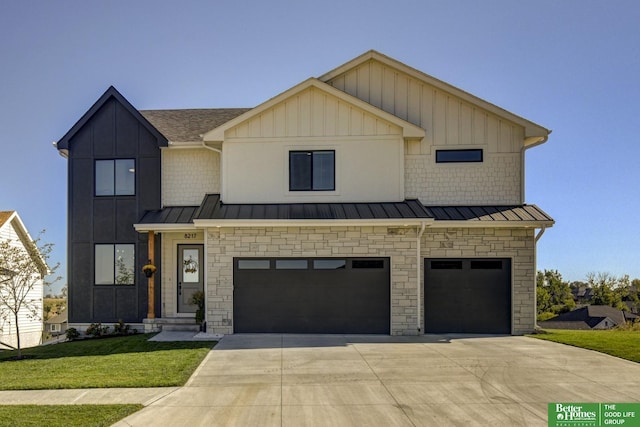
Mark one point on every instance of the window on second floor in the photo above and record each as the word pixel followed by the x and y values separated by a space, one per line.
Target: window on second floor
pixel 116 177
pixel 312 170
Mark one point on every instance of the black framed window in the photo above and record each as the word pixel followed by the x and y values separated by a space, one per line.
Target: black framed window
pixel 115 264
pixel 312 170
pixel 116 177
pixel 459 156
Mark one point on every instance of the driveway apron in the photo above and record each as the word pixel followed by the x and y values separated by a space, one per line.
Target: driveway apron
pixel 347 380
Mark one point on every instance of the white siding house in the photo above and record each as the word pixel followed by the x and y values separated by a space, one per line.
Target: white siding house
pixel 12 230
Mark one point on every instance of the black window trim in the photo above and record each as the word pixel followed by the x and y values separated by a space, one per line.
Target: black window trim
pixel 114 245
pixel 311 152
pixel 468 150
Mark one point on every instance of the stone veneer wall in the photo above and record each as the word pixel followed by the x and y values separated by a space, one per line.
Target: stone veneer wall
pixel 494 181
pixel 517 244
pixel 399 244
pixel 223 244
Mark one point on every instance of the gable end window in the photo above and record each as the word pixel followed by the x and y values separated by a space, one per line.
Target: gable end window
pixel 312 170
pixel 116 177
pixel 459 156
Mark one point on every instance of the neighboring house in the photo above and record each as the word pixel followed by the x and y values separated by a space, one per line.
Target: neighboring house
pixel 589 317
pixel 582 294
pixel 57 325
pixel 372 199
pixel 12 229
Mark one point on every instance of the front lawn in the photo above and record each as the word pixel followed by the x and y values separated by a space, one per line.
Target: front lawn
pixel 619 343
pixel 65 415
pixel 129 361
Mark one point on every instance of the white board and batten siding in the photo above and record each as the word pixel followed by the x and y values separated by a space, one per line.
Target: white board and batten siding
pixel 30 328
pixel 369 152
pixel 450 123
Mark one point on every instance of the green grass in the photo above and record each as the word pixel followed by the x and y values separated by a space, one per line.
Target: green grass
pixel 64 416
pixel 620 343
pixel 130 361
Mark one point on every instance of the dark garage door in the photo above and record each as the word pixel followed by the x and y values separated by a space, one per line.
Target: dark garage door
pixel 467 296
pixel 311 295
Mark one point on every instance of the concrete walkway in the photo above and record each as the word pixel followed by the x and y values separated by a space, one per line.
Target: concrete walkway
pixel 298 380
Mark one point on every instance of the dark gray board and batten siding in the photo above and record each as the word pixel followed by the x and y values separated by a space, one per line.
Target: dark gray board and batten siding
pixel 111 129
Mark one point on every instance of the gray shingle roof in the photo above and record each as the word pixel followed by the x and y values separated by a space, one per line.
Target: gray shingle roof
pixel 584 317
pixel 188 125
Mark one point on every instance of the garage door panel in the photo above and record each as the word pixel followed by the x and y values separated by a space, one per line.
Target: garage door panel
pixel 467 295
pixel 342 300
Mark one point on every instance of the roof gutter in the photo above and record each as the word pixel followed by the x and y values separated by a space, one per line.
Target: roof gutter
pixel 393 222
pixel 64 153
pixel 491 224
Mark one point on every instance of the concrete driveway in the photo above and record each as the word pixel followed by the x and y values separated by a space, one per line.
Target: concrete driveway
pixel 434 380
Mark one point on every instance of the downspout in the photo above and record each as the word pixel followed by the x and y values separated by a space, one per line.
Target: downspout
pixel 205 278
pixel 206 246
pixel 420 232
pixel 535 272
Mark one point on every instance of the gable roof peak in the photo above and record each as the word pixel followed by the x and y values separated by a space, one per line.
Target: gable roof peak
pixel 534 133
pixel 409 129
pixel 63 144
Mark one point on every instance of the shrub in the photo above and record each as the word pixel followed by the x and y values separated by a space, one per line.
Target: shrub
pixel 546 316
pixel 198 299
pixel 97 330
pixel 72 334
pixel 629 326
pixel 121 328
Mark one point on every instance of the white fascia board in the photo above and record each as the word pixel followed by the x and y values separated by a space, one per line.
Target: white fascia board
pixel 491 224
pixel 394 222
pixel 409 130
pixel 143 228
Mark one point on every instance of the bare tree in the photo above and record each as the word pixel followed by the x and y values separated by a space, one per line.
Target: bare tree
pixel 22 268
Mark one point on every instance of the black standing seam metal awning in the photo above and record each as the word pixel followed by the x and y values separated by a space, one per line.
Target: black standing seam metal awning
pixel 213 209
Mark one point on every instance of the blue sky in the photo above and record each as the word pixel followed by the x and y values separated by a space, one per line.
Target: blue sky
pixel 572 66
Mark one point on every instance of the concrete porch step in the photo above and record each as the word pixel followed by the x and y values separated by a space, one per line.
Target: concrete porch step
pixel 173 324
pixel 181 327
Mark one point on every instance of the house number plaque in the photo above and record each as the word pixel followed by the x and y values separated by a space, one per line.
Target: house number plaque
pixel 190 235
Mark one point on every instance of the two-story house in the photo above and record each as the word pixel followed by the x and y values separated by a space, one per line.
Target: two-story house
pixel 372 199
